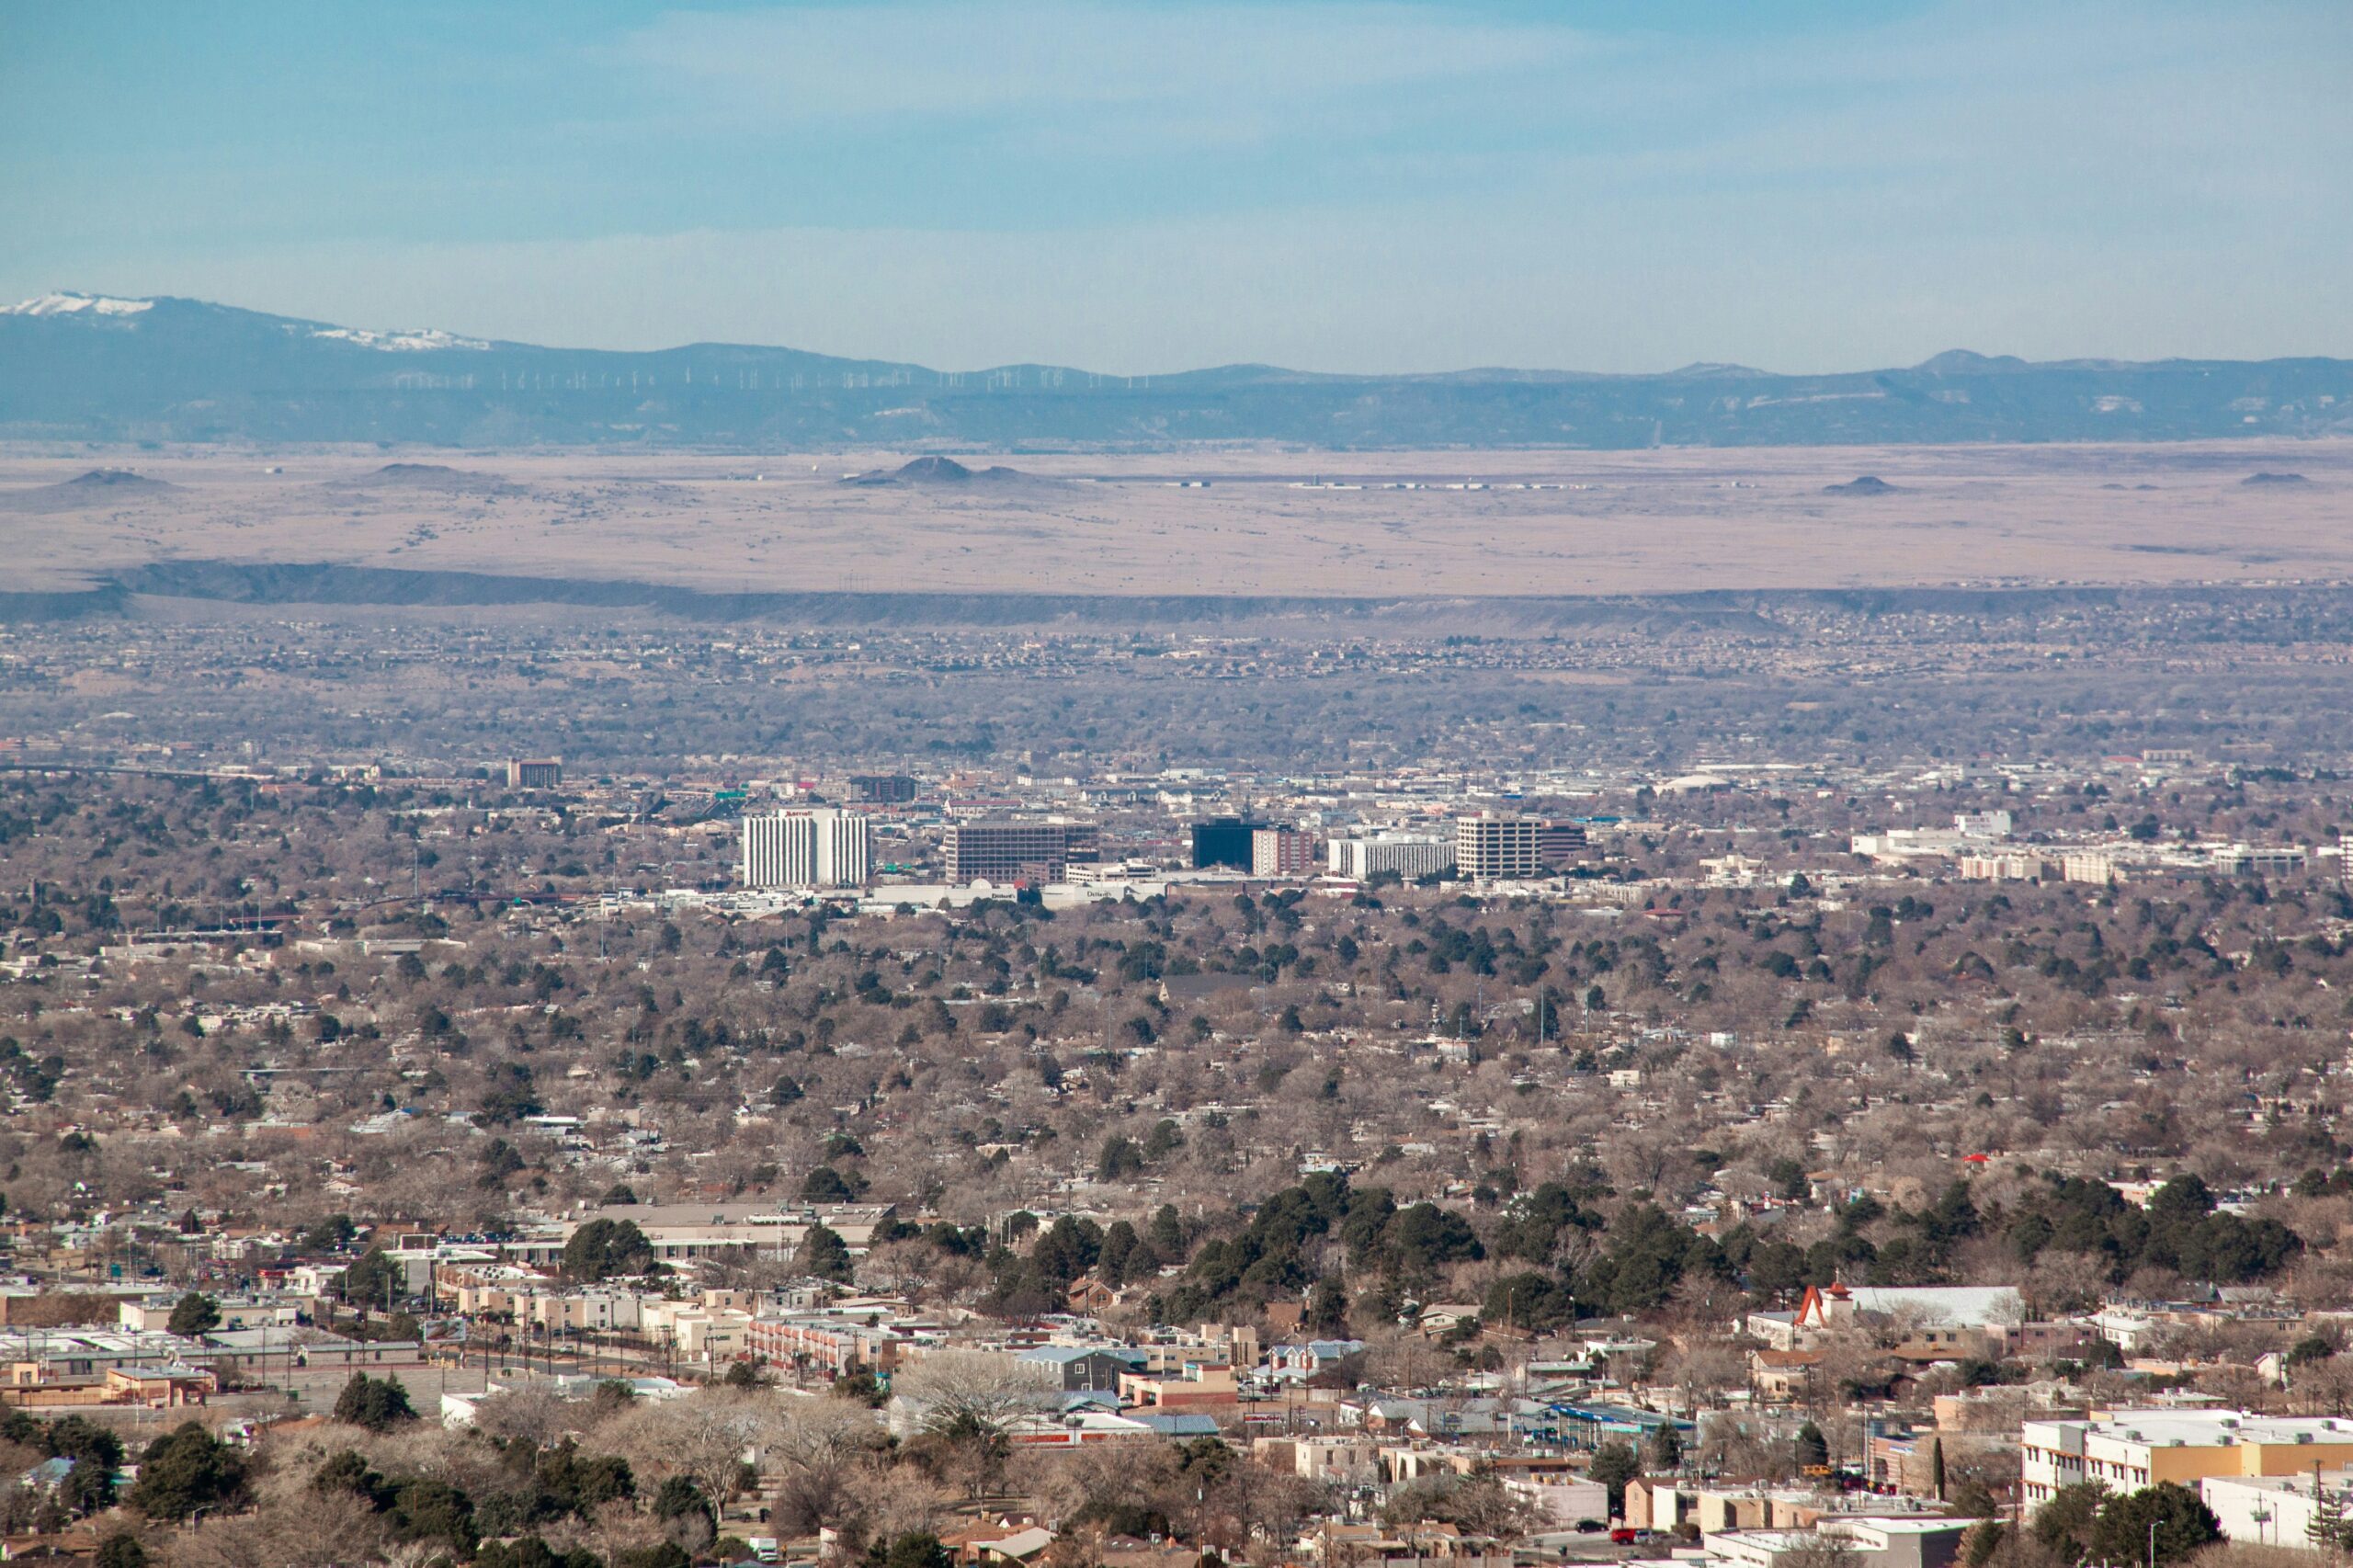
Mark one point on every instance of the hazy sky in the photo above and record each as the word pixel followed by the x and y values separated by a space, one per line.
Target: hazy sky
pixel 1155 185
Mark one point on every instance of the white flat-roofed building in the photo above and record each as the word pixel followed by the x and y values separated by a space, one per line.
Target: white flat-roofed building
pixel 2258 860
pixel 686 1233
pixel 802 849
pixel 2128 1449
pixel 1407 854
pixel 2275 1510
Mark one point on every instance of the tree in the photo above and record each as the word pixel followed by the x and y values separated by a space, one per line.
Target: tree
pixel 434 1512
pixel 701 1439
pixel 1936 1469
pixel 186 1472
pixel 2183 1523
pixel 1327 1306
pixel 819 1444
pixel 194 1315
pixel 975 1386
pixel 826 1185
pixel 914 1549
pixel 120 1549
pixel 1530 1301
pixel 1614 1464
pixel 681 1506
pixel 2064 1523
pixel 823 1253
pixel 374 1281
pixel 96 1454
pixel 377 1403
pixel 1810 1449
pixel 1666 1448
pixel 602 1249
pixel 1478 1505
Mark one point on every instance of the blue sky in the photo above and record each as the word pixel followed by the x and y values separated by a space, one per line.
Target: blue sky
pixel 1145 187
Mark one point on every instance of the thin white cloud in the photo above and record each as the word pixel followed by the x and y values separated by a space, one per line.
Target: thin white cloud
pixel 950 59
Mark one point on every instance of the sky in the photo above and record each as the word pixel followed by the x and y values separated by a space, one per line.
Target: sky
pixel 1161 185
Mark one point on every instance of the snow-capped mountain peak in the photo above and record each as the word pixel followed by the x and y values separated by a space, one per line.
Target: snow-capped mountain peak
pixel 68 304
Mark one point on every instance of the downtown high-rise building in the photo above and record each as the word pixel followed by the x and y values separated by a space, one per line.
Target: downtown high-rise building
pixel 1498 846
pixel 1005 853
pixel 805 849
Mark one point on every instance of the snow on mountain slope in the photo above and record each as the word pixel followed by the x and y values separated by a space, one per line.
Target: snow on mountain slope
pixel 67 304
pixel 394 342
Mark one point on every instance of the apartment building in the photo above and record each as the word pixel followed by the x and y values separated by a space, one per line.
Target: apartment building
pixel 2128 1449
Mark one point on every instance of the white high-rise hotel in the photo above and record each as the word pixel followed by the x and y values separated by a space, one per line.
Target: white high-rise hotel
pixel 802 849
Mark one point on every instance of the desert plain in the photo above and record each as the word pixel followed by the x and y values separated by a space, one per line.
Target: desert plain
pixel 1244 522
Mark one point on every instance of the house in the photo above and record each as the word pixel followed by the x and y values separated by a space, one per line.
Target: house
pixel 48 1476
pixel 999 1542
pixel 1444 1317
pixel 1076 1368
pixel 1297 1363
pixel 1423 1545
pixel 1781 1374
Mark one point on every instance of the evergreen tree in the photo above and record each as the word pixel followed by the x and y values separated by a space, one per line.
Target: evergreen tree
pixel 379 1404
pixel 120 1549
pixel 187 1471
pixel 195 1314
pixel 1614 1464
pixel 2183 1523
pixel 823 1253
pixel 1811 1448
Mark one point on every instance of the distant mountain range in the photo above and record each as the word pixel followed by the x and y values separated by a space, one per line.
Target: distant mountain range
pixel 85 367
